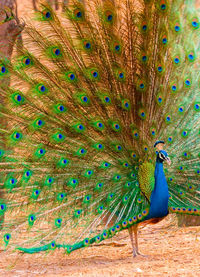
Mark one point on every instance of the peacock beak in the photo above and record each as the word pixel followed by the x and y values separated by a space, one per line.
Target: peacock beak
pixel 168 161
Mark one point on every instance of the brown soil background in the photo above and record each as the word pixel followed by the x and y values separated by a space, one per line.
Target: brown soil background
pixel 171 252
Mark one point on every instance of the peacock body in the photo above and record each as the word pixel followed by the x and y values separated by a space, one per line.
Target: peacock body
pixel 92 90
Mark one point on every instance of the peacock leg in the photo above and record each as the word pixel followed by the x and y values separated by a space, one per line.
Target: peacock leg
pixel 135 245
pixel 130 230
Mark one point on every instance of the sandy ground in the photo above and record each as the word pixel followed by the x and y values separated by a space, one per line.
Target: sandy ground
pixel 171 252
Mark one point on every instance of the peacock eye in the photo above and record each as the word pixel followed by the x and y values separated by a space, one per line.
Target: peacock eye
pixel 72 76
pixel 144 27
pixel 19 98
pixel 117 47
pixel 177 28
pixel 42 88
pixel 3 69
pixel 163 7
pixel 78 14
pixel 88 45
pixel 164 40
pixel 109 16
pixel 27 61
pixel 95 74
pixel 48 14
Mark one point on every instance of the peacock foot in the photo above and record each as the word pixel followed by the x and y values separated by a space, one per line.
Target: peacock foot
pixel 140 254
pixel 136 254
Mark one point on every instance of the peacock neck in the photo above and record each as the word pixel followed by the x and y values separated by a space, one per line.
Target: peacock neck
pixel 161 186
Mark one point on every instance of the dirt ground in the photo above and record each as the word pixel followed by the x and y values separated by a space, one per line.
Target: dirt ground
pixel 171 252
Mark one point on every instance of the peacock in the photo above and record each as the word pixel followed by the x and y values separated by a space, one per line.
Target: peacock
pixel 100 127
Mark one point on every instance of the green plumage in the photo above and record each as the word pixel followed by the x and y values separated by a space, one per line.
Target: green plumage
pixel 146 179
pixel 91 91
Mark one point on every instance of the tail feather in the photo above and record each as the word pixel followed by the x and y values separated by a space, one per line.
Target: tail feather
pixel 91 92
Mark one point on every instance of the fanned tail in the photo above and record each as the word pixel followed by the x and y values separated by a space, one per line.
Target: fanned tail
pixel 90 94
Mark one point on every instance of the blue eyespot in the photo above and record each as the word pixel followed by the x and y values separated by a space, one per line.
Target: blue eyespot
pixel 61 108
pixel 117 47
pixel 79 14
pixel 191 57
pixel 176 60
pixel 95 74
pixel 187 82
pixel 27 173
pixel 88 45
pixel 39 122
pixel 195 24
pixel 19 98
pixel 48 15
pixel 42 88
pixel 164 40
pixel 27 61
pixel 72 76
pixel 109 17
pixel 144 27
pixel 177 28
pixel 3 69
pixel 57 52
pixel 144 58
pixel 17 135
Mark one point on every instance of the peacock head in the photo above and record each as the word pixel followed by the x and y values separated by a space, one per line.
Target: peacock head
pixel 162 155
pixel 159 144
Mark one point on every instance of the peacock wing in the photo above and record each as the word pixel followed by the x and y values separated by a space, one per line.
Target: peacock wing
pixel 146 179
